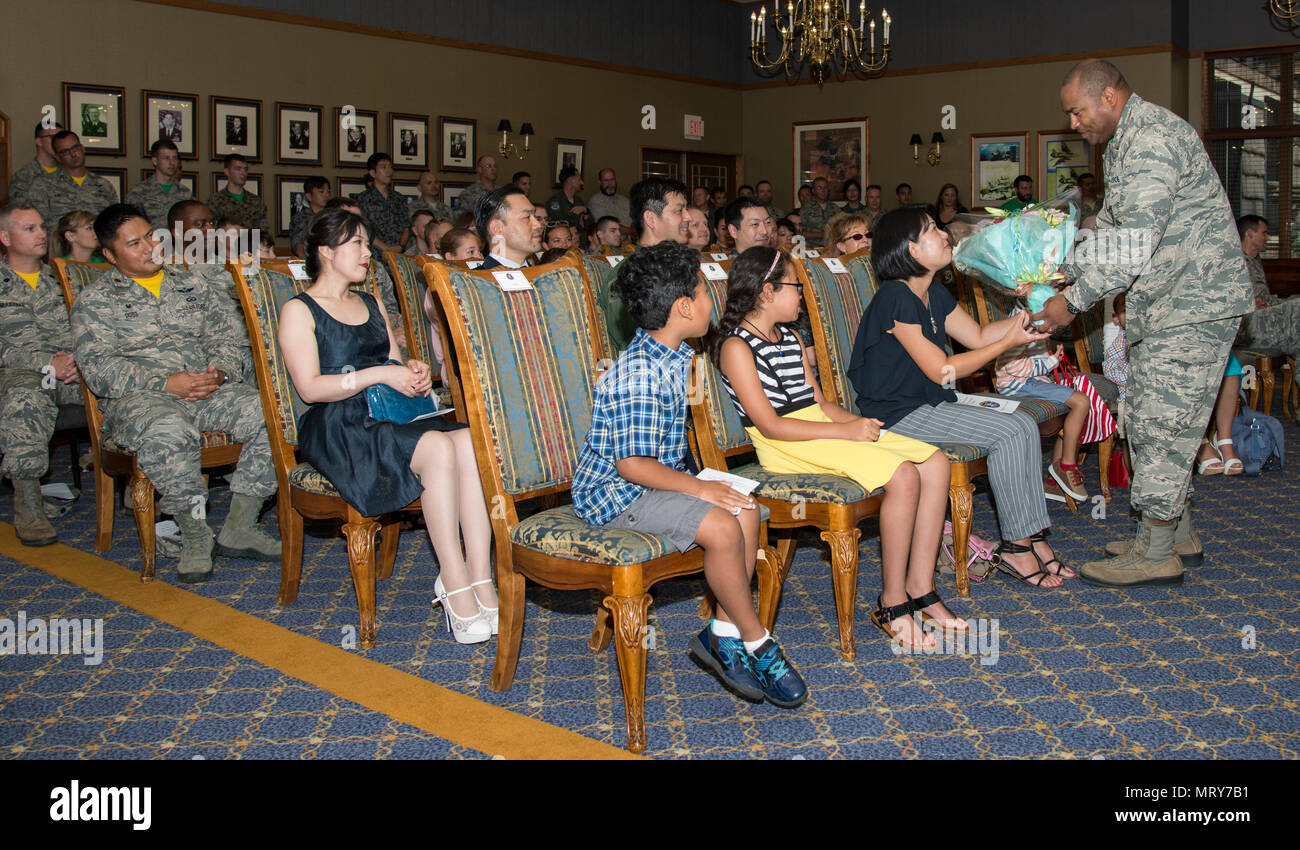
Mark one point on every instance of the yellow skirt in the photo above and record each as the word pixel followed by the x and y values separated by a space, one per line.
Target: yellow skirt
pixel 869 464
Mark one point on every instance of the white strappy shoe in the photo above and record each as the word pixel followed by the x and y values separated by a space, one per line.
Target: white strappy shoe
pixel 488 614
pixel 474 629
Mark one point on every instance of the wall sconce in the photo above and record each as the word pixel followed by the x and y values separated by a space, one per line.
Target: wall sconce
pixel 915 142
pixel 935 156
pixel 504 147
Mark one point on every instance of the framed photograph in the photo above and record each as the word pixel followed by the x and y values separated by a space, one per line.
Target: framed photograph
pixel 1063 156
pixel 98 115
pixel 356 136
pixel 836 150
pixel 409 188
pixel 451 196
pixel 189 181
pixel 236 128
pixel 297 134
pixel 568 152
pixel 290 198
pixel 408 140
pixel 458 143
pixel 350 188
pixel 996 159
pixel 116 176
pixel 253 185
pixel 172 116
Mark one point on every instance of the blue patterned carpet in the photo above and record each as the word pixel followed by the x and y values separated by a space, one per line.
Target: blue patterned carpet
pixel 1080 672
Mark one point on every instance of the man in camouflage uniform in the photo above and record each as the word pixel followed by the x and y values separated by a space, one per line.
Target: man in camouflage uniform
pixel 565 205
pixel 157 194
pixel 161 350
pixel 487 181
pixel 430 198
pixel 317 192
pixel 1275 323
pixel 818 211
pixel 385 207
pixel 39 373
pixel 45 163
pixel 70 188
pixel 237 203
pixel 1183 307
pixel 763 191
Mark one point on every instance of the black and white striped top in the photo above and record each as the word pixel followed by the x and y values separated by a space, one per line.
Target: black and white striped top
pixel 780 371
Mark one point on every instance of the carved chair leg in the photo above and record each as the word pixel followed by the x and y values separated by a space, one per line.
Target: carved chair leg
pixel 360 533
pixel 785 546
pixel 844 575
pixel 961 495
pixel 1104 450
pixel 1266 385
pixel 387 546
pixel 510 592
pixel 708 605
pixel 770 581
pixel 104 486
pixel 290 552
pixel 629 627
pixel 601 631
pixel 142 507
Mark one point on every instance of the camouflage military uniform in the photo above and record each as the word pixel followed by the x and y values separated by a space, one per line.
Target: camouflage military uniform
pixel 23 179
pixel 1183 309
pixel 298 228
pixel 390 216
pixel 57 193
pixel 776 213
pixel 1259 284
pixel 219 278
pixel 128 343
pixel 558 208
pixel 468 200
pixel 873 218
pixel 816 215
pixel 156 201
pixel 439 210
pixel 249 212
pixel 34 326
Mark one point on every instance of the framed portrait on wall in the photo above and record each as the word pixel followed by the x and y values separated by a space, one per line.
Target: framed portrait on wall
pixel 1063 156
pixel 409 188
pixel 996 159
pixel 297 134
pixel 98 115
pixel 174 117
pixel 290 197
pixel 451 196
pixel 355 136
pixel 116 176
pixel 408 140
pixel 836 150
pixel 253 185
pixel 568 152
pixel 189 181
pixel 236 128
pixel 350 188
pixel 458 143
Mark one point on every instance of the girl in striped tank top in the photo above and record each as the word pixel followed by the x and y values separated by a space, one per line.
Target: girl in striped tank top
pixel 795 430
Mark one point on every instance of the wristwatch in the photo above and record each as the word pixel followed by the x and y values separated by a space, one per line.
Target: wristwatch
pixel 1074 311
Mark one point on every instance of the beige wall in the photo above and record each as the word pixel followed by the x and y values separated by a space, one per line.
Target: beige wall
pixel 210 53
pixel 994 100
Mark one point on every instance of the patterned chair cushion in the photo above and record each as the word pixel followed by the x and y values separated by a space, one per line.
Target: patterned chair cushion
pixel 304 476
pixel 1106 389
pixel 831 489
pixel 1040 409
pixel 563 534
pixel 728 432
pixel 408 280
pixel 961 452
pixel 207 440
pixel 1249 355
pixel 269 290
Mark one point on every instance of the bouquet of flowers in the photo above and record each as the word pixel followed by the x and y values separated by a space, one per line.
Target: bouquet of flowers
pixel 1019 251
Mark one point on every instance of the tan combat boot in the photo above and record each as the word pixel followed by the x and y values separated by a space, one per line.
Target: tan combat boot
pixel 1187 546
pixel 196 549
pixel 30 523
pixel 240 537
pixel 1151 561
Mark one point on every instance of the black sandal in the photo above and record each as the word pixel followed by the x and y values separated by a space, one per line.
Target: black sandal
pixel 926 601
pixel 883 616
pixel 1016 549
pixel 1041 537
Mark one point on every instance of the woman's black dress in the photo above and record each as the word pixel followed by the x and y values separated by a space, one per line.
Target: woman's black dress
pixel 367 460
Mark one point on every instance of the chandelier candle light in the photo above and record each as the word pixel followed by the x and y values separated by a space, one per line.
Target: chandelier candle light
pixel 822 34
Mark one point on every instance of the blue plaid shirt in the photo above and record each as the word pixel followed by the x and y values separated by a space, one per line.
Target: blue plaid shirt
pixel 639 411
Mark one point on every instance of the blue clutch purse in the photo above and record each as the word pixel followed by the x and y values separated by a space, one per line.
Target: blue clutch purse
pixel 387 404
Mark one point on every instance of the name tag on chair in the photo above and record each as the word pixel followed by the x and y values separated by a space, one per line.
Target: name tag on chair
pixel 834 264
pixel 812 252
pixel 473 264
pixel 511 280
pixel 720 256
pixel 299 271
pixel 713 271
pixel 614 260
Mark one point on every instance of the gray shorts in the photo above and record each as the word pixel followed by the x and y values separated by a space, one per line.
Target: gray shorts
pixel 667 513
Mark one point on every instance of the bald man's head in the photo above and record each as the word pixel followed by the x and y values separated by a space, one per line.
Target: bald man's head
pixel 1096 75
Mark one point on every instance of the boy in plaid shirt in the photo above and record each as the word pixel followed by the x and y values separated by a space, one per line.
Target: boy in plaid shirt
pixel 630 473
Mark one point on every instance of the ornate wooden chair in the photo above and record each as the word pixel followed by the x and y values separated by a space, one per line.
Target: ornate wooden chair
pixel 599 274
pixel 217 448
pixel 528 362
pixel 408 278
pixel 305 492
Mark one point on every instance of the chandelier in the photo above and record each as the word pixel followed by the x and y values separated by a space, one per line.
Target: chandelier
pixel 1288 10
pixel 822 33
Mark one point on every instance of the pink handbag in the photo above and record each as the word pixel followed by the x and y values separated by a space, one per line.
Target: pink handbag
pixel 979 562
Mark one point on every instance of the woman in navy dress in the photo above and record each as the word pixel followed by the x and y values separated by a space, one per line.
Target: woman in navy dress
pixel 336 343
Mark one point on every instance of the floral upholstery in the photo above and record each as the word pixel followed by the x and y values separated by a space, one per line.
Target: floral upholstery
pixel 269 290
pixel 533 353
pixel 561 533
pixel 961 452
pixel 304 476
pixel 807 487
pixel 840 300
pixel 408 279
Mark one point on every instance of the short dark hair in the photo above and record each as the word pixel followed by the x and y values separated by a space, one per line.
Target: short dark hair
pixel 1021 178
pixel 230 158
pixel 177 211
pixel 901 186
pixel 852 181
pixel 552 255
pixel 871 186
pixel 894 232
pixel 40 125
pixel 1084 176
pixel 604 218
pixel 110 221
pixel 339 202
pixel 419 213
pixel 331 228
pixel 62 134
pixel 787 224
pixel 163 145
pixel 742 189
pixel 311 184
pixel 717 218
pixel 761 182
pixel 373 162
pixel 735 211
pixel 1249 222
pixel 652 279
pixel 519 175
pixel 566 172
pixel 1095 76
pixel 652 194
pixel 490 206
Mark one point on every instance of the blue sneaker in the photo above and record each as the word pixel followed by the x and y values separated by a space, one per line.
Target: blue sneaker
pixel 782 684
pixel 727 659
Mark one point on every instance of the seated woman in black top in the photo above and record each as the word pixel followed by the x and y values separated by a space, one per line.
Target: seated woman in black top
pixel 336 343
pixel 903 377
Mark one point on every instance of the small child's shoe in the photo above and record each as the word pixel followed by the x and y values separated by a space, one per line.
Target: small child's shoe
pixel 727 659
pixel 782 684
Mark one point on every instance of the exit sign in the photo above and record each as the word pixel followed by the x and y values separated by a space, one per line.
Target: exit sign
pixel 694 127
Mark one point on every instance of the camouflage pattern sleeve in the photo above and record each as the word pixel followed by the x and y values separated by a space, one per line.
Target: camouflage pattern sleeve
pixel 100 350
pixel 22 181
pixel 224 335
pixel 33 324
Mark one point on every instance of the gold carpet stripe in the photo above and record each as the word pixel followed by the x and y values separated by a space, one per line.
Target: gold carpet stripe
pixel 409 699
